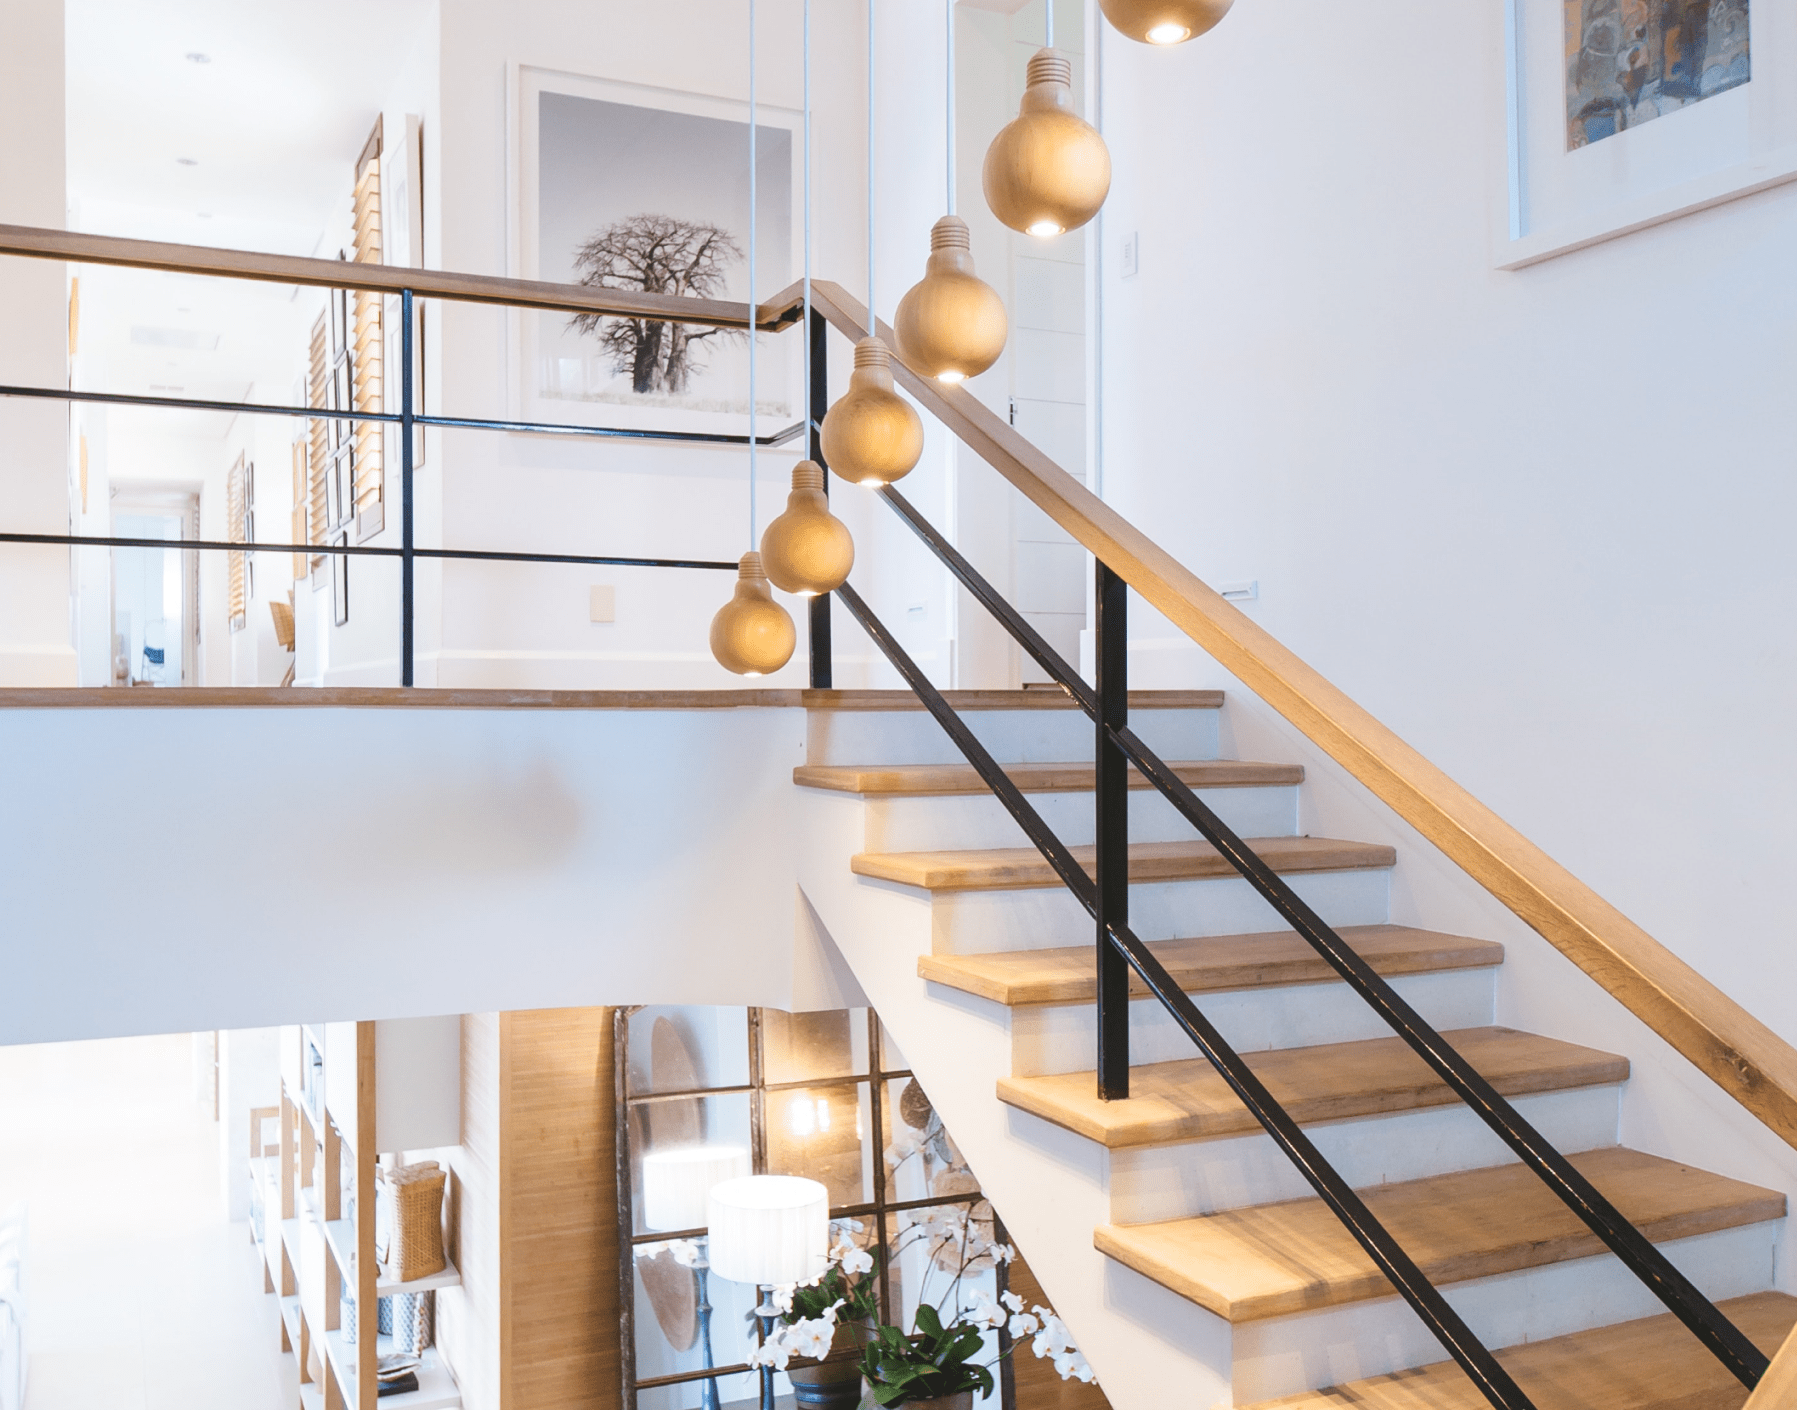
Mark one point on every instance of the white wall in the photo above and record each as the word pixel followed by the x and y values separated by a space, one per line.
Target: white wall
pixel 36 647
pixel 1536 521
pixel 392 863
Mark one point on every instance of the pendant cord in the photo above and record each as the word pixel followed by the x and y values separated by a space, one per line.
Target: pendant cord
pixel 949 7
pixel 806 65
pixel 1048 23
pixel 873 320
pixel 754 312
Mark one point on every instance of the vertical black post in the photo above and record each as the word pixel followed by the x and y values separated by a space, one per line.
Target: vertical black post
pixel 407 635
pixel 1112 801
pixel 817 402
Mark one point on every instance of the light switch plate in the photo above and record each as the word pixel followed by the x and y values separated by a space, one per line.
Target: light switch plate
pixel 1240 592
pixel 602 602
pixel 1132 254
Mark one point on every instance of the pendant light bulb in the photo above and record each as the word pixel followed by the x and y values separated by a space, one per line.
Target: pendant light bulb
pixel 1047 171
pixel 807 550
pixel 1164 21
pixel 872 436
pixel 752 634
pixel 951 324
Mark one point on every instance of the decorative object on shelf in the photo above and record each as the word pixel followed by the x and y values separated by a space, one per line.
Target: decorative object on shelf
pixel 414 1321
pixel 677 1187
pixel 416 1247
pixel 1047 171
pixel 769 1230
pixel 871 436
pixel 397 1373
pixel 822 1329
pixel 807 549
pixel 951 324
pixel 1164 21
pixel 752 634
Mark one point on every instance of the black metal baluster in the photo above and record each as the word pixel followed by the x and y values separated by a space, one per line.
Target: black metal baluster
pixel 1111 801
pixel 407 631
pixel 817 403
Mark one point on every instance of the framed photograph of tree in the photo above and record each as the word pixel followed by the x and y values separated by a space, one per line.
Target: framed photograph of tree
pixel 1623 114
pixel 624 186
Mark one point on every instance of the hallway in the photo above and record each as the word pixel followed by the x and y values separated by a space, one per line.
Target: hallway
pixel 142 1296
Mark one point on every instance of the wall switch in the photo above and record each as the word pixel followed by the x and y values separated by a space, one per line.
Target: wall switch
pixel 602 602
pixel 1240 592
pixel 1132 254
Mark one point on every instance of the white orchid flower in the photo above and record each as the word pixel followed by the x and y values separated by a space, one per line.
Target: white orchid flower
pixel 780 1296
pixel 1023 1325
pixel 685 1251
pixel 1011 1301
pixel 985 1310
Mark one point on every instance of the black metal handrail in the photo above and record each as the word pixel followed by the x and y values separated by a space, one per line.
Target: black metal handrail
pixel 1411 1282
pixel 1107 706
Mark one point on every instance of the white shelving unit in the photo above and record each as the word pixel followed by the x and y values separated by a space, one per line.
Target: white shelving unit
pixel 349 1090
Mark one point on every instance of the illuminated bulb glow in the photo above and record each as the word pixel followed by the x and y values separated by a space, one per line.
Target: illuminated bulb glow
pixel 951 377
pixel 1045 230
pixel 1168 34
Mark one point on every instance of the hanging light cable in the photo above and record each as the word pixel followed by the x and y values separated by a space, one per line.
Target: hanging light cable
pixel 807 550
pixel 1047 171
pixel 752 634
pixel 951 324
pixel 872 435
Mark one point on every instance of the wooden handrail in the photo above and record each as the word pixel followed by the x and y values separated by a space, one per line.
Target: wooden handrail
pixel 32 242
pixel 1729 1045
pixel 1777 1389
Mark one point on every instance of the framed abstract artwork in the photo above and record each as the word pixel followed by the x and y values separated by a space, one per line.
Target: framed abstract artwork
pixel 619 185
pixel 1622 114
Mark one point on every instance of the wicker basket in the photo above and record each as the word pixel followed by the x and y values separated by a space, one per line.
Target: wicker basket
pixel 416 1246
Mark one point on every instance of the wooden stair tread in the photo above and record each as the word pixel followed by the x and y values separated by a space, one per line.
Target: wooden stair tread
pixel 1188 1101
pixel 1650 1364
pixel 1206 964
pixel 936 780
pixel 1006 868
pixel 1027 699
pixel 1273 1259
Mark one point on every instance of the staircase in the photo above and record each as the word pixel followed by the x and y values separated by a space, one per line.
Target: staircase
pixel 1186 1253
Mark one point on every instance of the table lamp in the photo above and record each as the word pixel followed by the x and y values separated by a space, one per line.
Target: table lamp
pixel 677 1185
pixel 768 1230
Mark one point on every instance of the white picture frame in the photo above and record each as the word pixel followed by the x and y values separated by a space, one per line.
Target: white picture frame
pixel 540 395
pixel 1553 201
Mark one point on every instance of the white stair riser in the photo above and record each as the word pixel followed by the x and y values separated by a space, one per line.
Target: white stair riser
pixel 1149 1184
pixel 1048 1038
pixel 1013 736
pixel 969 820
pixel 1286 1355
pixel 1039 918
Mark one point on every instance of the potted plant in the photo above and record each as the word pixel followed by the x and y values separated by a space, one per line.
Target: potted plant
pixel 820 1329
pixel 933 1365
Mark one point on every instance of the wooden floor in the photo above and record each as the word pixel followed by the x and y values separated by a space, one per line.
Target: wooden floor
pixel 1005 868
pixel 1265 959
pixel 1652 1364
pixel 1272 1259
pixel 1188 1100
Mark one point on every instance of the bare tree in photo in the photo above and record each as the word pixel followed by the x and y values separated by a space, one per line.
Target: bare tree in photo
pixel 656 254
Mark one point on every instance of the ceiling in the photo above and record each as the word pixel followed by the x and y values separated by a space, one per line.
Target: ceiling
pixel 249 145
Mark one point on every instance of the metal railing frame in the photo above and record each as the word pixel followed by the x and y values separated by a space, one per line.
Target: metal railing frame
pixel 1105 894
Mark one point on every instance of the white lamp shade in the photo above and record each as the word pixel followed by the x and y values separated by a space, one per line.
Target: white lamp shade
pixel 769 1229
pixel 677 1182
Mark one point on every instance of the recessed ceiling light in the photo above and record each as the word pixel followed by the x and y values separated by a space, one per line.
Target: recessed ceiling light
pixel 205 215
pixel 199 58
pixel 185 161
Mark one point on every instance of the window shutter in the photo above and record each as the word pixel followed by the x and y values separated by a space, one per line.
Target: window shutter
pixel 370 345
pixel 318 440
pixel 235 513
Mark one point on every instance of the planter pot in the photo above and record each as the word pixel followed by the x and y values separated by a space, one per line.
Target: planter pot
pixel 833 1383
pixel 960 1400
